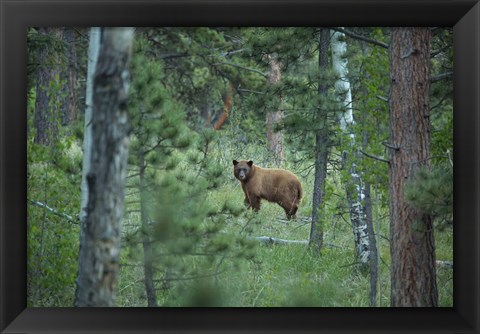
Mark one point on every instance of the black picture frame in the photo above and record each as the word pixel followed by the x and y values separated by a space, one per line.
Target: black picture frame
pixel 16 16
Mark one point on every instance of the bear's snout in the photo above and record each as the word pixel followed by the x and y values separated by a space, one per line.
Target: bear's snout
pixel 242 175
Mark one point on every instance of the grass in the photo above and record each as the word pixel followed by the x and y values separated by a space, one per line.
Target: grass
pixel 286 275
pixel 290 275
pixel 277 275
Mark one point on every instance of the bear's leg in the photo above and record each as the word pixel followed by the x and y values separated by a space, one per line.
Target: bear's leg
pixel 291 212
pixel 255 203
pixel 246 202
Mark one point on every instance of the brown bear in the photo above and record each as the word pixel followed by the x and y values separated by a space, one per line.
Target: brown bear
pixel 274 185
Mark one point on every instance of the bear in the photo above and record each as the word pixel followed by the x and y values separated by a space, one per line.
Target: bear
pixel 274 185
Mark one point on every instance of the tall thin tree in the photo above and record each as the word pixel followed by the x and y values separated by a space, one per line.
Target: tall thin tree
pixel 275 137
pixel 355 187
pixel 321 146
pixel 69 107
pixel 48 102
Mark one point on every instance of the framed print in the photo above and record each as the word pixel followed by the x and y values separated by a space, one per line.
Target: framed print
pixel 210 78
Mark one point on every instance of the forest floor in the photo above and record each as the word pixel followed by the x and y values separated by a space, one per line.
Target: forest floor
pixel 285 275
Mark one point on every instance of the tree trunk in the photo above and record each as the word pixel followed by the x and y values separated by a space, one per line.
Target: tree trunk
pixel 413 276
pixel 275 139
pixel 69 110
pixel 146 242
pixel 355 187
pixel 47 103
pixel 100 243
pixel 373 258
pixel 321 148
pixel 93 50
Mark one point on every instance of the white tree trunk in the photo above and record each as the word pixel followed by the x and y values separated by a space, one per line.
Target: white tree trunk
pixel 99 253
pixel 93 50
pixel 355 191
pixel 342 85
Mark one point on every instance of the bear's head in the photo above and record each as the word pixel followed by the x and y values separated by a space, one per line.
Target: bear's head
pixel 242 169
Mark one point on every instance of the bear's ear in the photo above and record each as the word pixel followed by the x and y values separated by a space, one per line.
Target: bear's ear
pixel 250 163
pixel 235 162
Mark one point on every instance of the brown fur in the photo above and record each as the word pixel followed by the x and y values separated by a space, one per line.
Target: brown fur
pixel 274 185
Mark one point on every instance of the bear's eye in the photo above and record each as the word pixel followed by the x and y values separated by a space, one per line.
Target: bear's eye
pixel 242 171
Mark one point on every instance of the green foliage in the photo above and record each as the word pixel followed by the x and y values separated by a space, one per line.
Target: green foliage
pixel 52 240
pixel 185 230
pixel 431 191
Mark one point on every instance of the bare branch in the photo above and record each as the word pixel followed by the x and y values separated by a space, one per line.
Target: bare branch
pixel 242 90
pixel 382 98
pixel 435 53
pixel 229 53
pixel 71 219
pixel 375 157
pixel 396 148
pixel 446 75
pixel 173 55
pixel 241 67
pixel 360 37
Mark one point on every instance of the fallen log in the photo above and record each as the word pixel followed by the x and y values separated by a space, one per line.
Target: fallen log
pixel 277 241
pixel 445 264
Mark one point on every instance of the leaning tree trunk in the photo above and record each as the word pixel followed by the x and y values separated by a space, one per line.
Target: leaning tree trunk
pixel 321 148
pixel 355 187
pixel 275 137
pixel 99 253
pixel 413 280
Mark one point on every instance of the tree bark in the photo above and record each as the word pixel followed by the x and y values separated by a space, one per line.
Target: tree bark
pixel 413 276
pixel 47 99
pixel 69 110
pixel 275 139
pixel 101 226
pixel 321 149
